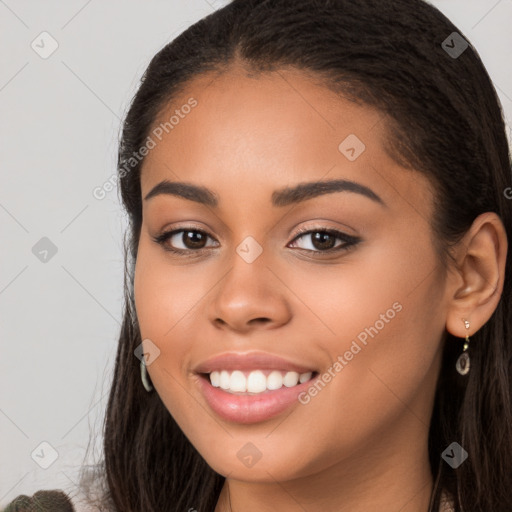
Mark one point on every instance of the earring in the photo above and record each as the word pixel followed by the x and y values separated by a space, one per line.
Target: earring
pixel 144 375
pixel 462 364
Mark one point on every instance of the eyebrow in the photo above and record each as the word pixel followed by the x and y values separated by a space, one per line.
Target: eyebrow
pixel 281 197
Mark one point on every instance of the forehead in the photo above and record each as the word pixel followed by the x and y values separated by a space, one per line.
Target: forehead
pixel 249 133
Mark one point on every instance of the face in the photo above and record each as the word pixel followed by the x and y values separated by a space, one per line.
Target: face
pixel 343 282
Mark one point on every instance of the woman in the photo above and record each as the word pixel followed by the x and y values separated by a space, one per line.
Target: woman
pixel 318 294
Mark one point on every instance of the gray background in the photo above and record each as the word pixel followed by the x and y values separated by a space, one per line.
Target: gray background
pixel 59 126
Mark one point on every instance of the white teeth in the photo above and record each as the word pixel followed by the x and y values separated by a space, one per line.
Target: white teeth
pixel 275 380
pixel 256 381
pixel 224 379
pixel 291 379
pixel 238 382
pixel 215 379
pixel 305 376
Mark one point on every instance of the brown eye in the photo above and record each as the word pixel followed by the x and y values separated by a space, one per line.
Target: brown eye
pixel 323 240
pixel 183 240
pixel 193 239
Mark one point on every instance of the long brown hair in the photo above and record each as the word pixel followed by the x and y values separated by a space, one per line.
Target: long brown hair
pixel 444 120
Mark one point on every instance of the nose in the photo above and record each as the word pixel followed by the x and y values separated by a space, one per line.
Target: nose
pixel 249 297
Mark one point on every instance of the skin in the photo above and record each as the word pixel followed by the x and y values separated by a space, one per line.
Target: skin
pixel 361 443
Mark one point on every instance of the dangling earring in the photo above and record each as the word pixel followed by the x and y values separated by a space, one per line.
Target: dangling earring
pixel 462 364
pixel 144 375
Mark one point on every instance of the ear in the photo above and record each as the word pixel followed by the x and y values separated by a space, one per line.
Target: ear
pixel 476 282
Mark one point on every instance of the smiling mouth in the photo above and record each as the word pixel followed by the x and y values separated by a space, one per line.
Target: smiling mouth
pixel 256 382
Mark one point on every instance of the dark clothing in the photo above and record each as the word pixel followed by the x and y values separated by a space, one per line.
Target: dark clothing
pixel 41 501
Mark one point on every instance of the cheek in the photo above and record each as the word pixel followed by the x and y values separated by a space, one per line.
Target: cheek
pixel 167 298
pixel 385 287
pixel 381 318
pixel 165 293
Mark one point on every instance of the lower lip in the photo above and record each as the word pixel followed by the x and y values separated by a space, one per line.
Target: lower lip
pixel 251 408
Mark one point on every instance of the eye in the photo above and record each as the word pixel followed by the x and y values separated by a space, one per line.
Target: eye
pixel 192 240
pixel 324 240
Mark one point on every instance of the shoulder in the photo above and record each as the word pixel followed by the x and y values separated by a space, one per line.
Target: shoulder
pixel 54 500
pixel 90 495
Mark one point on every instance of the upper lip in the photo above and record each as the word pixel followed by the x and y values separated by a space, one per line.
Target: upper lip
pixel 249 361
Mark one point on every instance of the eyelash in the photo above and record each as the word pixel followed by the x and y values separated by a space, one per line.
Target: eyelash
pixel 350 241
